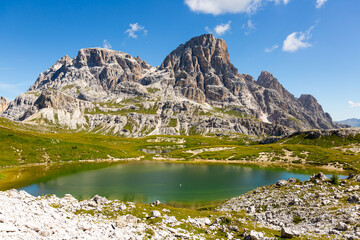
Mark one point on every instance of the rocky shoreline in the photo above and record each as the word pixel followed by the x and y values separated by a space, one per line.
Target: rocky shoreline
pixel 313 209
pixel 23 216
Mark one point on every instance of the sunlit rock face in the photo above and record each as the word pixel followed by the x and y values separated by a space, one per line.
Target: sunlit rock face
pixel 196 90
pixel 4 103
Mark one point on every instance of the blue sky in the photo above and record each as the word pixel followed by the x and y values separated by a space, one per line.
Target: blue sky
pixel 311 46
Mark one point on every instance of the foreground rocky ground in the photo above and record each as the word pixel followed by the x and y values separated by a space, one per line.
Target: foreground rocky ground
pixel 314 209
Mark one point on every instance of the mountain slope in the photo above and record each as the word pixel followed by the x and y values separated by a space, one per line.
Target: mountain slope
pixel 196 90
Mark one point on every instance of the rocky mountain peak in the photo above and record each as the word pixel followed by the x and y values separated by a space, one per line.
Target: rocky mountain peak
pixel 203 71
pixel 92 57
pixel 268 80
pixel 4 103
pixel 196 88
pixel 310 103
pixel 97 68
pixel 200 54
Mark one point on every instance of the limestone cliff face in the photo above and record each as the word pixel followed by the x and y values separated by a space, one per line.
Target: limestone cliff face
pixel 96 68
pixel 4 103
pixel 195 90
pixel 203 71
pixel 267 80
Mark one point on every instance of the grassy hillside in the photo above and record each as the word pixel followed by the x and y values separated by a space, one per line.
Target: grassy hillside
pixel 24 143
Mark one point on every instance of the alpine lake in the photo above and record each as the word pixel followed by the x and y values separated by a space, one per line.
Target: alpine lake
pixel 176 184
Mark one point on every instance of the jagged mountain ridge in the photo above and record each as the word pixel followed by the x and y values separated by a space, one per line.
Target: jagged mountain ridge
pixel 195 90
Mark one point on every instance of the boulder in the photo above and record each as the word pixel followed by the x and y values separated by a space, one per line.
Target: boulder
pixel 251 209
pixel 99 200
pixel 288 233
pixel 253 235
pixel 281 183
pixel 292 180
pixel 155 214
pixel 127 220
pixel 156 203
pixel 319 176
pixel 353 199
pixel 7 228
pixel 341 227
pixel 234 228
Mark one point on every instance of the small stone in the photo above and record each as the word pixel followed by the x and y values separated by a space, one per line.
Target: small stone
pixel 288 233
pixel 342 227
pixel 292 180
pixel 296 202
pixel 7 228
pixel 351 221
pixel 253 235
pixel 229 235
pixel 234 228
pixel 127 220
pixel 45 233
pixel 281 183
pixel 84 226
pixel 122 207
pixel 182 236
pixel 319 176
pixel 99 200
pixel 251 210
pixel 351 176
pixel 155 214
pixel 353 199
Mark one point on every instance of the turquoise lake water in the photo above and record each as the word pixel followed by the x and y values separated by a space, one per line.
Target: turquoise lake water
pixel 171 183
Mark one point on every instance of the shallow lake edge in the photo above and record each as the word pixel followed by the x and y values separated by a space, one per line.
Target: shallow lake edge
pixel 9 175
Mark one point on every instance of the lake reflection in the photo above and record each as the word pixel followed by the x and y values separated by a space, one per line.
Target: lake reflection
pixel 167 182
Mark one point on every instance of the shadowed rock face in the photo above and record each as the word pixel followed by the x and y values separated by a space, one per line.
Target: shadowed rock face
pixel 203 70
pixel 195 87
pixel 4 103
pixel 267 80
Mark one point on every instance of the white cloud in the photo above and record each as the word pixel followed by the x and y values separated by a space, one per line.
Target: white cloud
pixel 222 28
pixel 277 2
pixel 268 50
pixel 297 40
pixel 249 26
pixel 134 28
pixel 320 3
pixel 219 29
pixel 217 7
pixel 354 104
pixel 106 44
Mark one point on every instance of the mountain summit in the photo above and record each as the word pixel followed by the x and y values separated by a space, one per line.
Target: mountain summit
pixel 196 90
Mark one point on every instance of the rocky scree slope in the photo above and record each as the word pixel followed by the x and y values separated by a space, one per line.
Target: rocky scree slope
pixel 316 207
pixel 196 90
